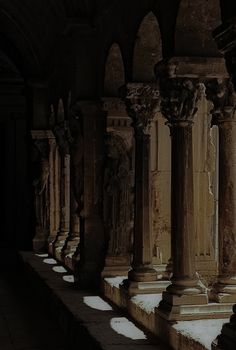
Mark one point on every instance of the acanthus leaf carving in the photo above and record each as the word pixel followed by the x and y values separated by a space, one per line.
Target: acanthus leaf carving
pixel 142 102
pixel 179 97
pixel 221 93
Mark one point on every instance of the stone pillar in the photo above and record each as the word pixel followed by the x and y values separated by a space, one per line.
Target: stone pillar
pixel 92 241
pixel 118 201
pixel 61 132
pixel 142 104
pixel 222 94
pixel 179 105
pixel 225 38
pixel 73 238
pixel 56 178
pixel 43 181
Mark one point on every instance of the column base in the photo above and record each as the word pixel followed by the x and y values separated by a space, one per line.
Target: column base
pixel 184 307
pixel 151 287
pixel 113 271
pixel 59 244
pixel 163 271
pixel 116 266
pixel 224 291
pixel 142 274
pixel 70 246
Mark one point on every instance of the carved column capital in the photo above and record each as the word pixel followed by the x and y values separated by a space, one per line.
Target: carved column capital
pixel 179 97
pixel 142 101
pixel 221 93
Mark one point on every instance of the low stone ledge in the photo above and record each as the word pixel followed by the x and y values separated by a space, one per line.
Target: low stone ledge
pixel 85 318
pixel 181 335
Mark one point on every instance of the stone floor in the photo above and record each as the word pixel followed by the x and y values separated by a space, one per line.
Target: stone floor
pixel 25 323
pixel 37 302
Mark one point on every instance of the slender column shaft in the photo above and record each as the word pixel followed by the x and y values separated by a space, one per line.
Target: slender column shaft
pixel 65 207
pixel 142 235
pixel 221 93
pixel 142 101
pixel 182 217
pixel 227 201
pixel 179 106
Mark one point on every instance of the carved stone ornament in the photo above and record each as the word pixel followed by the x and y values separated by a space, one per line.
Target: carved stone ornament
pixel 63 136
pixel 179 97
pixel 142 102
pixel 118 203
pixel 221 93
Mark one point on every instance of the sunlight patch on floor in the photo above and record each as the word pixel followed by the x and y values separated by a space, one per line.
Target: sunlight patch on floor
pixel 69 278
pixel 59 269
pixel 50 261
pixel 96 302
pixel 123 326
pixel 42 255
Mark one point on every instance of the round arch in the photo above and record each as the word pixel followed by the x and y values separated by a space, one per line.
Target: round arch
pixel 114 71
pixel 147 50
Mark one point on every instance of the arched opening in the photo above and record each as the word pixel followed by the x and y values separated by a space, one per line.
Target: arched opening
pixel 114 72
pixel 148 49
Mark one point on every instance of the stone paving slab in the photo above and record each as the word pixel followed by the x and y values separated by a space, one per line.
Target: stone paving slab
pixel 25 323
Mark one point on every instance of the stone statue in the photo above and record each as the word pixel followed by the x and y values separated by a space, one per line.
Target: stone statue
pixel 77 159
pixel 40 160
pixel 117 196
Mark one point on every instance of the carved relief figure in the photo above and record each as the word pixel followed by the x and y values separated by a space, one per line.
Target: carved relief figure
pixel 40 162
pixel 77 159
pixel 118 209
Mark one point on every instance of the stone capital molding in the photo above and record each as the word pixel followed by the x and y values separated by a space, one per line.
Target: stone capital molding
pixel 114 105
pixel 143 102
pixel 192 67
pixel 179 97
pixel 221 93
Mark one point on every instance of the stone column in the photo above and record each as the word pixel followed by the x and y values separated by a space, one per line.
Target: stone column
pixel 179 105
pixel 118 188
pixel 225 38
pixel 54 183
pixel 92 242
pixel 61 133
pixel 221 93
pixel 73 238
pixel 142 104
pixel 43 182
